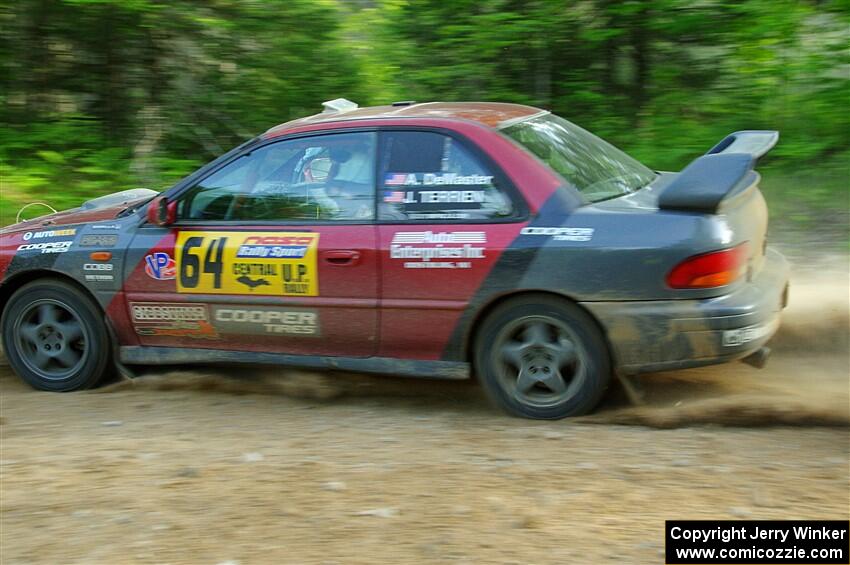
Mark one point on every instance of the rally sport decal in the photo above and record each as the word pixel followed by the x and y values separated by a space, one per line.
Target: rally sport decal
pixel 254 263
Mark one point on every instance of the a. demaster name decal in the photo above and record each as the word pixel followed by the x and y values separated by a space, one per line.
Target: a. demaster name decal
pixel 253 263
pixel 435 179
pixel 430 250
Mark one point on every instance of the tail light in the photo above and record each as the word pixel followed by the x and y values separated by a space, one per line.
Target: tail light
pixel 708 270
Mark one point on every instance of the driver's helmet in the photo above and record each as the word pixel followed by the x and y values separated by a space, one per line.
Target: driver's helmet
pixel 352 164
pixel 350 178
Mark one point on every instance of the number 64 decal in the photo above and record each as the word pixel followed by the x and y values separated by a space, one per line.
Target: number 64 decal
pixel 190 271
pixel 254 263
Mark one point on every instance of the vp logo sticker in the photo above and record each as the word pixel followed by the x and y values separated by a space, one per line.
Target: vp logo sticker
pixel 160 266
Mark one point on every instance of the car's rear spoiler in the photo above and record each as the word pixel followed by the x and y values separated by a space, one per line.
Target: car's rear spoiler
pixel 750 142
pixel 726 170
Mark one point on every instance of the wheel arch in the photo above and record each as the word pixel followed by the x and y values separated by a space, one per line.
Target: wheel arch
pixel 486 309
pixel 8 288
pixel 95 367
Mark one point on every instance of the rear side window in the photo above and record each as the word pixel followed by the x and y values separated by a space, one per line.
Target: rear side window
pixel 429 176
pixel 595 167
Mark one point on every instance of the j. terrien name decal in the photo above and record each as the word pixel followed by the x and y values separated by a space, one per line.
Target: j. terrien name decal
pixel 560 234
pixel 438 250
pixel 409 197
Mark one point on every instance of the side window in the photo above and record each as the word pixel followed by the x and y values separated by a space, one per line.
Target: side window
pixel 430 176
pixel 328 177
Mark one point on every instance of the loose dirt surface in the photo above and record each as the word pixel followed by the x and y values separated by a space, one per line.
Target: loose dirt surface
pixel 252 466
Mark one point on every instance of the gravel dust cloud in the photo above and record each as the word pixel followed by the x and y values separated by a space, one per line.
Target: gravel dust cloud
pixel 805 383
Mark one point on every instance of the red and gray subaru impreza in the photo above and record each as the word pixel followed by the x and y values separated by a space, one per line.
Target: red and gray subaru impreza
pixel 438 240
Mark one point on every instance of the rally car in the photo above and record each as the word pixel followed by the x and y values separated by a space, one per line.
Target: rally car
pixel 439 240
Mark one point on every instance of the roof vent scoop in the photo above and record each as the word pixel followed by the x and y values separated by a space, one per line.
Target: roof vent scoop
pixel 338 105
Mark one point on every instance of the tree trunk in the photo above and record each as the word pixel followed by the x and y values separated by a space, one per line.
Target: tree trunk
pixel 641 58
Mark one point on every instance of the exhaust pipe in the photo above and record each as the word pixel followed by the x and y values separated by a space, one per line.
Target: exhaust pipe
pixel 758 359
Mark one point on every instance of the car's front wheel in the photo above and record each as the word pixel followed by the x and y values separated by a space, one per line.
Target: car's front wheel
pixel 542 357
pixel 54 336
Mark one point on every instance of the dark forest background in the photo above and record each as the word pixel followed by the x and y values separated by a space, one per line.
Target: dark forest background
pixel 102 95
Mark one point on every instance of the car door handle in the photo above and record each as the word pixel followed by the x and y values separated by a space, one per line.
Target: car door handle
pixel 341 257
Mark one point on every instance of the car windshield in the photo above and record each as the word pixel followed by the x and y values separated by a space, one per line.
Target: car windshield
pixel 595 167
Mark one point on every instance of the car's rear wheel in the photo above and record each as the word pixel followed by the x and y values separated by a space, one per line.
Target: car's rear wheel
pixel 54 336
pixel 542 357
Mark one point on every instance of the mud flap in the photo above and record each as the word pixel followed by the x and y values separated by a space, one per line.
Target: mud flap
pixel 124 372
pixel 633 392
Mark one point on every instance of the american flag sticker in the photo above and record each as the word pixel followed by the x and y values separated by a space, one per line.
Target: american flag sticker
pixel 394 196
pixel 395 179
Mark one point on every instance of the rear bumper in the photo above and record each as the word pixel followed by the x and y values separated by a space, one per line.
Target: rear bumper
pixel 660 335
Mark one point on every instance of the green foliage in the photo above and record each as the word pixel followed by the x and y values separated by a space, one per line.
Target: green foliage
pixel 102 95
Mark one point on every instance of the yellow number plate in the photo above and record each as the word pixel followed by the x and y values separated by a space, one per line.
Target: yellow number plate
pixel 253 263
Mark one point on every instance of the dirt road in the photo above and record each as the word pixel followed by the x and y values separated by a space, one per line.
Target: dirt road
pixel 256 467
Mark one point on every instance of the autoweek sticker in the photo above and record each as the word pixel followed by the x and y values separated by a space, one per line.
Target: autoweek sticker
pixel 48 234
pixel 253 263
pixel 438 250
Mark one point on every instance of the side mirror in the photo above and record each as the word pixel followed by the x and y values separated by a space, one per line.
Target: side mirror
pixel 161 212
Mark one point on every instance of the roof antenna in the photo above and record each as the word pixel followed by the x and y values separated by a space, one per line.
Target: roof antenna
pixel 338 105
pixel 21 211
